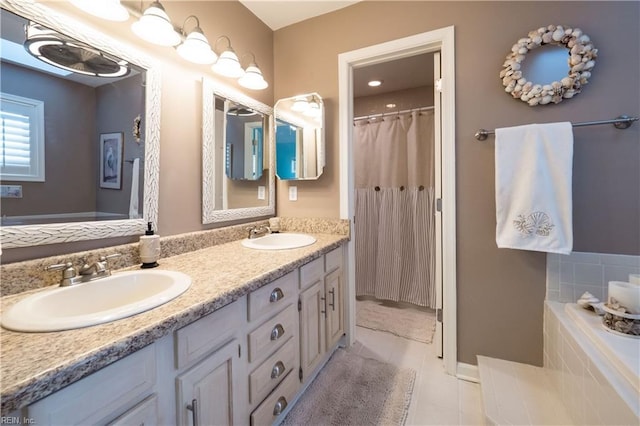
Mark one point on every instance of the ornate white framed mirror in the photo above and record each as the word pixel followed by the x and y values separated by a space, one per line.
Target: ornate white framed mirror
pixel 95 164
pixel 238 180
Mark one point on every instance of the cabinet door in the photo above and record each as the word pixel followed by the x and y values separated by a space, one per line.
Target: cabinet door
pixel 312 327
pixel 335 318
pixel 208 392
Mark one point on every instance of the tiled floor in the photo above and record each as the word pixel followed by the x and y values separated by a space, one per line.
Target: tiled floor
pixel 438 398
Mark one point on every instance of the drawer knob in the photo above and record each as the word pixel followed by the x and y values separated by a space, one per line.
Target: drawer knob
pixel 276 294
pixel 280 406
pixel 277 332
pixel 277 370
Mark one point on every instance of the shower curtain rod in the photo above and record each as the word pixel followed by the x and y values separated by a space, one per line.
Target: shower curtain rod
pixel 392 113
pixel 621 122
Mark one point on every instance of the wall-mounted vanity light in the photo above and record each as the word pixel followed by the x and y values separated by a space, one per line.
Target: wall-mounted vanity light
pixel 313 110
pixel 111 10
pixel 71 55
pixel 228 64
pixel 252 77
pixel 300 104
pixel 196 47
pixel 155 27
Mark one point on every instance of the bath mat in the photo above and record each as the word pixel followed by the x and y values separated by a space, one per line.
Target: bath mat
pixel 409 323
pixel 353 390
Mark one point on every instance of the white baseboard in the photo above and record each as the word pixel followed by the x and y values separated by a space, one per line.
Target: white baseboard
pixel 468 372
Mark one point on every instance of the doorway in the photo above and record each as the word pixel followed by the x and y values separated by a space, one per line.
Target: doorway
pixel 440 44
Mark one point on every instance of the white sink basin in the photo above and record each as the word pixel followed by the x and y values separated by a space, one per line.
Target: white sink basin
pixel 280 241
pixel 106 299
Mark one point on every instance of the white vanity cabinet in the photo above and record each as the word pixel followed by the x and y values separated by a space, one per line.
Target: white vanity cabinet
pixel 321 309
pixel 122 390
pixel 209 356
pixel 243 364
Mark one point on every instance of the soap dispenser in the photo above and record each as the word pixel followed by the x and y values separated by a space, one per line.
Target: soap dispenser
pixel 149 248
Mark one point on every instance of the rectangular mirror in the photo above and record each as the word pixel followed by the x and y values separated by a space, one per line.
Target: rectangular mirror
pixel 98 128
pixel 237 165
pixel 299 137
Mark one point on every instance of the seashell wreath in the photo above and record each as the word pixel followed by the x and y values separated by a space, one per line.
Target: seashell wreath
pixel 581 61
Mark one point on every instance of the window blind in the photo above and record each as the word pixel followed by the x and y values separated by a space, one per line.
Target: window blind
pixel 21 141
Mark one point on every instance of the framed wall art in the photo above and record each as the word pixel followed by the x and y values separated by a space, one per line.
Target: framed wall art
pixel 111 151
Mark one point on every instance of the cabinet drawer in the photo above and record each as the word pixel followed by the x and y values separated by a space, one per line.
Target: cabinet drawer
pixel 311 272
pixel 273 333
pixel 201 337
pixel 277 402
pixel 273 297
pixel 271 372
pixel 333 260
pixel 101 396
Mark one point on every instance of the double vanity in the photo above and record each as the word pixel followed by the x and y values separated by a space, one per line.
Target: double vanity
pixel 237 347
pixel 227 330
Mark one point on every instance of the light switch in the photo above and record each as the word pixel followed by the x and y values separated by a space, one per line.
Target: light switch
pixel 293 193
pixel 261 192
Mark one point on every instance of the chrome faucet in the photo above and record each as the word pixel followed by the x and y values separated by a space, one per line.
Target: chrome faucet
pixel 86 273
pixel 97 269
pixel 258 231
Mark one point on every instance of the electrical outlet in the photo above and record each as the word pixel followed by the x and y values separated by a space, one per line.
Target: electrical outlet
pixel 293 193
pixel 261 192
pixel 11 191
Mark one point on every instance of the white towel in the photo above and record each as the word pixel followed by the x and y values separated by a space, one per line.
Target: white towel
pixel 533 187
pixel 133 201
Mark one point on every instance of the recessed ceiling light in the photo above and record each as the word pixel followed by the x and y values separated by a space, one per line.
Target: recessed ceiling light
pixel 375 83
pixel 390 105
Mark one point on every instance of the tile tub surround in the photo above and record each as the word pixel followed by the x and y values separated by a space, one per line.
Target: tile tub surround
pixel 34 365
pixel 30 275
pixel 569 276
pixel 595 387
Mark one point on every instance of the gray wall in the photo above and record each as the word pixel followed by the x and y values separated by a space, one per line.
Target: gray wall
pixel 118 103
pixel 69 112
pixel 500 292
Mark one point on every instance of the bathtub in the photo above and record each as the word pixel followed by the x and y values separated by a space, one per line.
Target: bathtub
pixel 597 373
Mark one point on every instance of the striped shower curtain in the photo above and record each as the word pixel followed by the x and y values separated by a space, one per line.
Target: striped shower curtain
pixel 394 204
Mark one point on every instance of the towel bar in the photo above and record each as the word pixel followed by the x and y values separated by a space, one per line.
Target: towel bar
pixel 621 122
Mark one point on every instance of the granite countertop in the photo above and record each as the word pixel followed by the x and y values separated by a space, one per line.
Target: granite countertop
pixel 34 365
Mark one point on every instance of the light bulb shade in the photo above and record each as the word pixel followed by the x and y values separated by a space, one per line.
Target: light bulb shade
pixel 155 27
pixel 111 10
pixel 253 79
pixel 196 48
pixel 228 64
pixel 313 110
pixel 300 105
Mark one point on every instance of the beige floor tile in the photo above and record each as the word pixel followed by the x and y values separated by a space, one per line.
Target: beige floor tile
pixel 438 398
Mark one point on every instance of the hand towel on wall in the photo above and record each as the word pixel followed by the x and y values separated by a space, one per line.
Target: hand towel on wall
pixel 135 179
pixel 534 166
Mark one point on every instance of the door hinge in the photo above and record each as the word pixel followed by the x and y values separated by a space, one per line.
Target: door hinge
pixel 439 314
pixel 239 351
pixel 300 373
pixel 438 204
pixel 299 305
pixel 438 85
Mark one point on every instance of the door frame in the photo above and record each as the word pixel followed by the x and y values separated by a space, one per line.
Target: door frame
pixel 437 40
